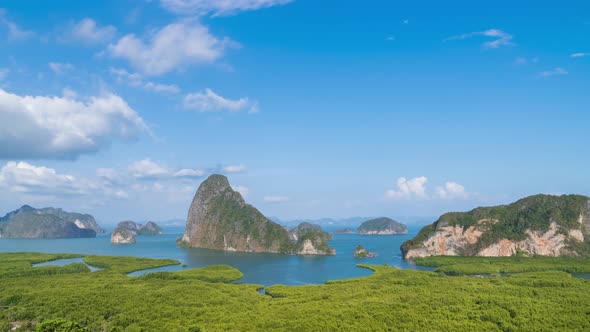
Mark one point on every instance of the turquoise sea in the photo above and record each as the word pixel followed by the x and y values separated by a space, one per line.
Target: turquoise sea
pixel 265 269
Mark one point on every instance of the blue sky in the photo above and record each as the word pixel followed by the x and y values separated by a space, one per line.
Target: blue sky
pixel 311 108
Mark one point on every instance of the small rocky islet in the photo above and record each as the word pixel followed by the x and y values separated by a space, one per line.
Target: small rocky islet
pixel 361 252
pixel 126 231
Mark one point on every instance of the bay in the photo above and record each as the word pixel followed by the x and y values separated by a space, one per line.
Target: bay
pixel 258 268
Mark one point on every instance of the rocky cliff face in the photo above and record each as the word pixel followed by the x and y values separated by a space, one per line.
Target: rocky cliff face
pixel 123 236
pixel 84 221
pixel 219 218
pixel 382 226
pixel 537 225
pixel 310 239
pixel 28 222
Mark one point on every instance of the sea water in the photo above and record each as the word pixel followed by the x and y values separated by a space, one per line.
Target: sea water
pixel 258 268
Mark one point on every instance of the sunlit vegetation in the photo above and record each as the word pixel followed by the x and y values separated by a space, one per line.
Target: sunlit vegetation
pixel 127 265
pixel 453 265
pixel 206 300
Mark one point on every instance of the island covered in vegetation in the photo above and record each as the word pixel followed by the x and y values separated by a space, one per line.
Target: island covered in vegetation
pixel 543 225
pixel 31 223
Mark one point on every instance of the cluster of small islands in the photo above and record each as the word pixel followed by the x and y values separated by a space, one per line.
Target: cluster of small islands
pixel 540 243
pixel 219 218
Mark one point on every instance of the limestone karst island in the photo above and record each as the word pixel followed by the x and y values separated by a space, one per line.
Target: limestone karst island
pixel 294 165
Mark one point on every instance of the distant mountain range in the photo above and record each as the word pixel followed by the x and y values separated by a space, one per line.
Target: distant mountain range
pixel 324 222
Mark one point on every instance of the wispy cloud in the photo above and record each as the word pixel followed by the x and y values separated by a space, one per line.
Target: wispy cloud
pixel 500 38
pixel 4 73
pixel 60 68
pixel 217 8
pixel 148 169
pixel 137 81
pixel 276 199
pixel 14 31
pixel 209 101
pixel 87 31
pixel 234 169
pixel 579 55
pixel 558 71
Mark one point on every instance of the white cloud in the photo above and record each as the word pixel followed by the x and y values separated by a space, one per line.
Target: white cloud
pixel 234 169
pixel 57 127
pixel 60 68
pixel 25 178
pixel 88 32
pixel 452 190
pixel 412 188
pixel 500 37
pixel 162 88
pixel 217 7
pixel 147 169
pixel 175 46
pixel 276 199
pixel 189 173
pixel 14 31
pixel 553 72
pixel 209 101
pixel 244 191
pixel 579 55
pixel 137 81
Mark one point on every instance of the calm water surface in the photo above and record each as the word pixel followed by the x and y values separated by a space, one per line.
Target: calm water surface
pixel 265 269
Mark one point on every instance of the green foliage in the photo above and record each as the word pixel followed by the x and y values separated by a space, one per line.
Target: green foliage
pixel 59 325
pixel 318 238
pixel 214 273
pixel 453 265
pixel 15 265
pixel 126 265
pixel 31 224
pixel 382 224
pixel 235 217
pixel 390 299
pixel 150 229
